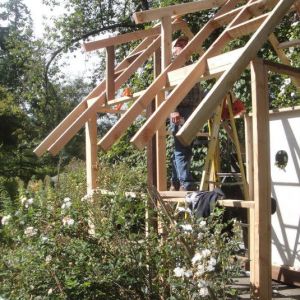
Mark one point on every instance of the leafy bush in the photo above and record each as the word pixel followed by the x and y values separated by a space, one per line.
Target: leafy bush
pixel 58 243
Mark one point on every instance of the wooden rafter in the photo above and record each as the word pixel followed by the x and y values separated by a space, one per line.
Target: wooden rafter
pixel 148 129
pixel 216 94
pixel 132 113
pixel 96 93
pixel 80 108
pixel 179 9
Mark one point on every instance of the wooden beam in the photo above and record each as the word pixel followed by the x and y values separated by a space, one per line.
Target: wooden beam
pixel 282 69
pixel 120 127
pixel 80 108
pixel 282 56
pixel 215 66
pixel 262 285
pixel 161 148
pixel 292 43
pixel 249 170
pixel 175 10
pixel 78 123
pixel 246 27
pixel 110 73
pixel 91 153
pixel 286 275
pixel 182 89
pixel 193 46
pixel 252 7
pixel 120 39
pixel 236 203
pixel 188 131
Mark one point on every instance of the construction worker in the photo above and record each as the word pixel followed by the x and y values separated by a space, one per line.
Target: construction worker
pixel 181 157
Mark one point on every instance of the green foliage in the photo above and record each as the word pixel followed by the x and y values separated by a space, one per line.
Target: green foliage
pixel 57 243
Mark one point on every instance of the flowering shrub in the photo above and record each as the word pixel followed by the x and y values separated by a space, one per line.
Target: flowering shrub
pixel 58 243
pixel 207 268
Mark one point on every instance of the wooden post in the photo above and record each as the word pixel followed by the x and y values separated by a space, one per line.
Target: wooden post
pixel 166 41
pixel 110 73
pixel 262 284
pixel 91 153
pixel 250 213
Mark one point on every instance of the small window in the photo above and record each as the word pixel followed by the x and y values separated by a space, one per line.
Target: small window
pixel 281 159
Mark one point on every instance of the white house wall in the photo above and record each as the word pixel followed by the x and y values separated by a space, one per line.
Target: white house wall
pixel 285 135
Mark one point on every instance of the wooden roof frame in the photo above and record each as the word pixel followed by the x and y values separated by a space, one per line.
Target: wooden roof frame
pixel 256 16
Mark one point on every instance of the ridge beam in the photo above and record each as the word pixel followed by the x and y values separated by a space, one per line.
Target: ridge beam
pixel 175 10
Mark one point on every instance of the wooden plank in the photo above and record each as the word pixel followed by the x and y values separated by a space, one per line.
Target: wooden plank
pixel 286 275
pixel 236 203
pixel 161 148
pixel 119 128
pixel 282 69
pixel 110 73
pixel 252 7
pixel 181 90
pixel 120 39
pixel 216 65
pixel 262 285
pixel 292 43
pixel 91 154
pixel 78 123
pixel 80 108
pixel 246 27
pixel 212 146
pixel 179 9
pixel 225 82
pixel 186 29
pixel 282 56
pixel 225 202
pixel 126 120
pixel 249 169
pixel 238 150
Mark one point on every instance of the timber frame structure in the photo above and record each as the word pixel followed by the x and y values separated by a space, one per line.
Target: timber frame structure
pixel 236 18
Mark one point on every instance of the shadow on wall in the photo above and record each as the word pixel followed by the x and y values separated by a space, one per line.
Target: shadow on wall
pixel 286 232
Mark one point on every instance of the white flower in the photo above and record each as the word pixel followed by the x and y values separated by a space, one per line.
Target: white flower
pixel 44 239
pixel 67 199
pixel 188 273
pixel 48 259
pixel 210 268
pixel 203 292
pixel 91 230
pixel 187 227
pixel 202 283
pixel 23 199
pixel 200 235
pixel 28 202
pixel 179 272
pixel 293 94
pixel 200 270
pixel 5 219
pixel 87 198
pixel 287 81
pixel 196 257
pixel 68 221
pixel 205 253
pixel 30 231
pixel 212 261
pixel 66 205
pixel 50 291
pixel 295 24
pixel 202 224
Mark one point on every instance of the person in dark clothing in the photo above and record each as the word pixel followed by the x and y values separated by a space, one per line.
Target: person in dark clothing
pixel 182 155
